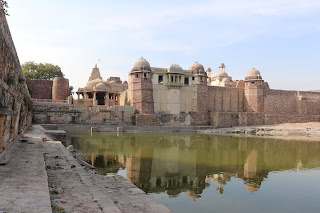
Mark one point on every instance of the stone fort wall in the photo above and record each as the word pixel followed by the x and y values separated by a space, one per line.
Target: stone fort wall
pixel 225 99
pixel 56 89
pixel 226 109
pixel 40 89
pixel 59 113
pixel 291 102
pixel 15 103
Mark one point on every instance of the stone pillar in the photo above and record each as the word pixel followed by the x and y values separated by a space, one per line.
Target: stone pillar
pixel 78 95
pixel 95 102
pixel 2 119
pixel 106 99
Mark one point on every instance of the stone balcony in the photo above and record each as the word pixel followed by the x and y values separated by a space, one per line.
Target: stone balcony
pixel 175 84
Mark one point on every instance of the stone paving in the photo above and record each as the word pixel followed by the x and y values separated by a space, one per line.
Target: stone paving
pixel 23 180
pixel 43 172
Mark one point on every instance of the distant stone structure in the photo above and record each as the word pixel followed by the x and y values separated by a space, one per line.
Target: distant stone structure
pixel 15 103
pixel 174 96
pixel 56 90
pixel 100 92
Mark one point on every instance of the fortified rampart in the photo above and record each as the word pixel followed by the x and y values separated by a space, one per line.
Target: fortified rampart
pixel 39 88
pixel 291 102
pixel 15 103
pixel 59 113
pixel 55 90
pixel 225 99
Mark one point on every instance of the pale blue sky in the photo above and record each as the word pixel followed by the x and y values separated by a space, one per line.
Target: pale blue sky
pixel 281 38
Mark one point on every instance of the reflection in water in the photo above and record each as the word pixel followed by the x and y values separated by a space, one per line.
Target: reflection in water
pixel 175 163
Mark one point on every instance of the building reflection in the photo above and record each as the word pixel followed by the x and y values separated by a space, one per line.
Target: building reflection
pixel 177 163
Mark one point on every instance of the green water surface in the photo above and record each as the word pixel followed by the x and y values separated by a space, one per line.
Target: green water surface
pixel 209 173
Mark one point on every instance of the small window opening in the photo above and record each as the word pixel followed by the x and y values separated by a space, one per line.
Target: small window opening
pixel 137 75
pixel 193 78
pixel 144 75
pixel 158 182
pixel 252 82
pixel 186 81
pixel 160 79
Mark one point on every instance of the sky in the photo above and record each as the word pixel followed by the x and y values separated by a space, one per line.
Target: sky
pixel 280 38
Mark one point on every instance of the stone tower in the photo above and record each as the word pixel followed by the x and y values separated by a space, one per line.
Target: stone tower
pixel 253 92
pixel 60 89
pixel 141 87
pixel 200 113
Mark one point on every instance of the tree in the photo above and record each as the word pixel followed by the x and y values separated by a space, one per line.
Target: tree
pixel 5 5
pixel 71 90
pixel 41 71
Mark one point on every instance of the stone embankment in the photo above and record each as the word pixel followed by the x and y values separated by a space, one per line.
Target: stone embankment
pixel 44 176
pixel 292 131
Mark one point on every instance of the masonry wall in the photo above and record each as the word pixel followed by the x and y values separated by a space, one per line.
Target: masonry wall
pixel 200 111
pixel 234 119
pixel 284 102
pixel 142 93
pixel 40 89
pixel 225 99
pixel 59 113
pixel 15 103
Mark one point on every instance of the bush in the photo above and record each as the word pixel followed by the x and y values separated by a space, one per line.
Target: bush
pixel 10 79
pixel 21 79
pixel 27 102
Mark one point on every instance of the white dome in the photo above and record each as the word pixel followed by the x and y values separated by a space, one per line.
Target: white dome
pixel 253 74
pixel 175 68
pixel 221 74
pixel 93 83
pixel 141 64
pixel 101 86
pixel 197 68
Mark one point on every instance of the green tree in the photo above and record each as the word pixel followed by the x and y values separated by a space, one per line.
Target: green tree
pixel 41 71
pixel 5 5
pixel 71 90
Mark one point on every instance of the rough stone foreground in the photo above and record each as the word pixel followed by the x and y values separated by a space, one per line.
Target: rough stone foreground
pixel 24 182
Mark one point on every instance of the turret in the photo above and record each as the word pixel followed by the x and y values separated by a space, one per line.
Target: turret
pixel 60 89
pixel 199 114
pixel 253 92
pixel 141 87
